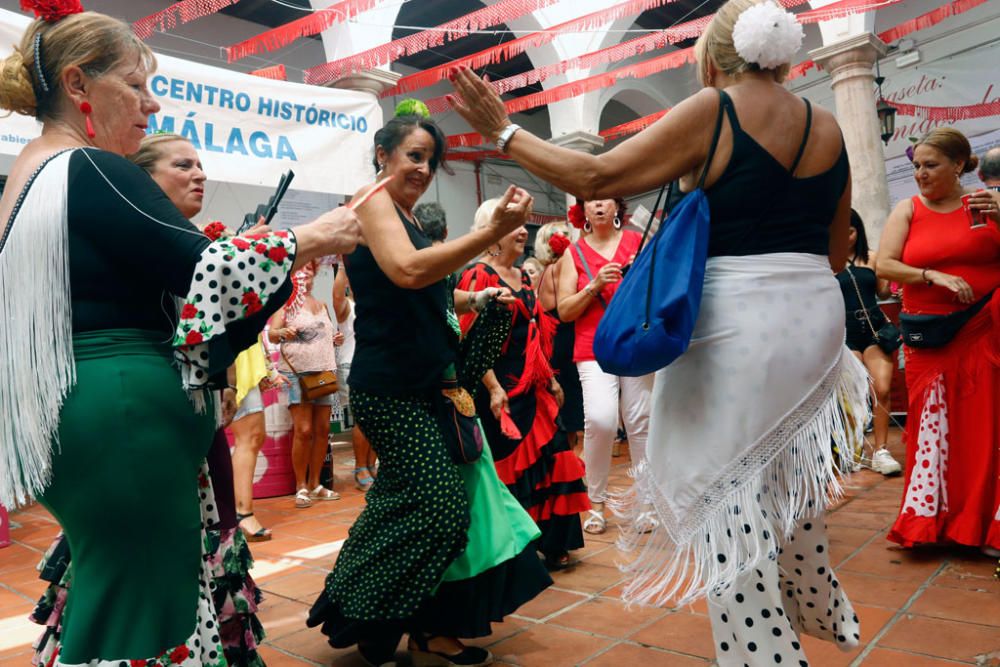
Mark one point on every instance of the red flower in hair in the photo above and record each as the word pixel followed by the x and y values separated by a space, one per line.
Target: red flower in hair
pixel 52 10
pixel 214 230
pixel 558 244
pixel 576 216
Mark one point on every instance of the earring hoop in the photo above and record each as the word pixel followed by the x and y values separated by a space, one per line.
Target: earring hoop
pixel 618 222
pixel 497 253
pixel 587 227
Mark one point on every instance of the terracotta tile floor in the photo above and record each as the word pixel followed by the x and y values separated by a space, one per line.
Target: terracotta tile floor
pixel 928 608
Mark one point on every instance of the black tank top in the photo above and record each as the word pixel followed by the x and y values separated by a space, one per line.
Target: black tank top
pixel 758 207
pixel 404 341
pixel 867 286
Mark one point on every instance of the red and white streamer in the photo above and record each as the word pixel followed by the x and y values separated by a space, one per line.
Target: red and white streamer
pixel 632 127
pixel 501 12
pixel 929 19
pixel 508 50
pixel 276 72
pixel 184 11
pixel 948 114
pixel 311 24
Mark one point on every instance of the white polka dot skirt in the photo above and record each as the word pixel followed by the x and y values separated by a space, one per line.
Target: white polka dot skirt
pixel 780 599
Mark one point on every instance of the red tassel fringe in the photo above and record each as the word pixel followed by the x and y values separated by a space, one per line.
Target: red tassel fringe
pixel 500 12
pixel 309 25
pixel 277 72
pixel 184 11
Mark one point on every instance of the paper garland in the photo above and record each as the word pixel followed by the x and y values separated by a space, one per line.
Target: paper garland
pixel 184 11
pixel 276 72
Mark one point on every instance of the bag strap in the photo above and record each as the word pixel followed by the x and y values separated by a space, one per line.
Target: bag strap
pixel 857 291
pixel 586 268
pixel 281 349
pixel 723 101
pixel 669 187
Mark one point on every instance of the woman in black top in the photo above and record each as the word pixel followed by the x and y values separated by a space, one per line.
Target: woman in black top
pixel 862 289
pixel 97 357
pixel 396 572
pixel 738 467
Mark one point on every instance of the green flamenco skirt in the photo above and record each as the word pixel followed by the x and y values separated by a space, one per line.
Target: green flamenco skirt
pixel 125 490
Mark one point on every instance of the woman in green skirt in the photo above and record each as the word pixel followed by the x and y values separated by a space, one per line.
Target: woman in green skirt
pixel 109 379
pixel 441 549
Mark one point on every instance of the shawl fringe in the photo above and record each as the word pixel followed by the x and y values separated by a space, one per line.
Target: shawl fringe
pixel 788 475
pixel 36 333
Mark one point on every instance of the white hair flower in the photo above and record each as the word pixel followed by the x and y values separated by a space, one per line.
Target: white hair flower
pixel 767 35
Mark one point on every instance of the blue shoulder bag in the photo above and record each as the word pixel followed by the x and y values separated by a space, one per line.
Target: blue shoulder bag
pixel 649 322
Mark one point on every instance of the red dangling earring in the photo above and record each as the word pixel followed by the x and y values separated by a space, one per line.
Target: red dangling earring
pixel 86 109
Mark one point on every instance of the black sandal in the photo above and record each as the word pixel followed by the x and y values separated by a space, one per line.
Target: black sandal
pixel 554 563
pixel 471 656
pixel 262 535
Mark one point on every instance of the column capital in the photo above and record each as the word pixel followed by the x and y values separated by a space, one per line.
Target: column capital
pixel 374 81
pixel 863 50
pixel 579 140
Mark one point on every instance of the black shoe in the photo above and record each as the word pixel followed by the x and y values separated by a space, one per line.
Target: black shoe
pixel 471 656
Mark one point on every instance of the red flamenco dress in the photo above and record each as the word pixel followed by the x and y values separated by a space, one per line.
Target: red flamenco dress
pixel 953 428
pixel 533 457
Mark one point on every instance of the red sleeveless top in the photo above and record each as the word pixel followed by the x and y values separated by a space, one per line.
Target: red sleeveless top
pixel 945 242
pixel 586 324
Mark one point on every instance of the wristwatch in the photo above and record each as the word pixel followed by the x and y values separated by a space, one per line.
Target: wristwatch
pixel 505 136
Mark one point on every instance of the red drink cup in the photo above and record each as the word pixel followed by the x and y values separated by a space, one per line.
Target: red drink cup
pixel 976 218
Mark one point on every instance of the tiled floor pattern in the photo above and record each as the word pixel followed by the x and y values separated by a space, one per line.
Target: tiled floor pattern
pixel 926 608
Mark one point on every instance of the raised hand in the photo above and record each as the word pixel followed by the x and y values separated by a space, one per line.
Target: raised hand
pixel 478 103
pixel 513 210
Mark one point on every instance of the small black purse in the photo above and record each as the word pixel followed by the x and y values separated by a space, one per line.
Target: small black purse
pixel 926 331
pixel 456 414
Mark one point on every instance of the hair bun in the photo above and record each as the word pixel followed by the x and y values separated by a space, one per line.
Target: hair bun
pixel 412 107
pixel 971 164
pixel 16 91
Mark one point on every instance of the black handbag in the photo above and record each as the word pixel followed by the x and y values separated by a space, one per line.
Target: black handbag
pixel 925 331
pixel 887 337
pixel 456 414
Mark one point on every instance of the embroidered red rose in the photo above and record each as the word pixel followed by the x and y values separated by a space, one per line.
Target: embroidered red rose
pixel 282 234
pixel 214 230
pixel 250 297
pixel 558 244
pixel 277 254
pixel 256 237
pixel 202 482
pixel 253 308
pixel 193 338
pixel 179 654
pixel 188 311
pixel 52 10
pixel 137 663
pixel 240 243
pixel 260 249
pixel 576 216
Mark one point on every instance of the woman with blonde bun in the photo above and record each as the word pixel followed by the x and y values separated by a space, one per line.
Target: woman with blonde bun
pixel 111 381
pixel 739 467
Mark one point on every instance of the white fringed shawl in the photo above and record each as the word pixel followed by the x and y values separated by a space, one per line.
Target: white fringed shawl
pixel 36 336
pixel 742 426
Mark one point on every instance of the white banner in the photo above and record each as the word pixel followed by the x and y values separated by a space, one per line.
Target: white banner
pixel 247 129
pixel 964 79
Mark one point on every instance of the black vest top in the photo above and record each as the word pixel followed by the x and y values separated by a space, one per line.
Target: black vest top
pixel 758 207
pixel 404 341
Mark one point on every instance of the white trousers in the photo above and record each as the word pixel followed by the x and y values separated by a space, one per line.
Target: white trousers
pixel 605 398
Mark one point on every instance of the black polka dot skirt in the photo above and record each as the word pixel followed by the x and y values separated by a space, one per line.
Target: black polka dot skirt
pixel 414 525
pixel 780 599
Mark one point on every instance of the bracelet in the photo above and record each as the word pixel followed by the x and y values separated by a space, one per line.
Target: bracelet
pixel 589 290
pixel 923 274
pixel 505 136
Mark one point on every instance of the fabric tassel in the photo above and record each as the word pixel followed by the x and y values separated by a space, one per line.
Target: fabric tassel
pixel 36 334
pixel 508 427
pixel 733 536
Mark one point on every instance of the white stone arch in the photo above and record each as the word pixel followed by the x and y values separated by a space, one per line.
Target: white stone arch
pixel 347 38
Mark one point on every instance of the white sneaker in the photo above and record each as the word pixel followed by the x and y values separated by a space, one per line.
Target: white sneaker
pixel 883 463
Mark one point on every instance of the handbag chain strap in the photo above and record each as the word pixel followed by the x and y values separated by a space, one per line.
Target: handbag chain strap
pixel 857 291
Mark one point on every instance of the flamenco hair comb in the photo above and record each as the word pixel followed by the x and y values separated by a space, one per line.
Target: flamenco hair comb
pixel 52 10
pixel 576 216
pixel 558 244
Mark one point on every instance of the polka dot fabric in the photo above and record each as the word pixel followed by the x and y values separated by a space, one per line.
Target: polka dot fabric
pixel 415 521
pixel 783 597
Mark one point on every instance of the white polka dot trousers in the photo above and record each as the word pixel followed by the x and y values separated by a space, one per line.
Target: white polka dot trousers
pixel 760 625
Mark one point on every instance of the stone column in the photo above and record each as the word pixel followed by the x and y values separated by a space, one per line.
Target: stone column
pixel 374 81
pixel 849 63
pixel 578 140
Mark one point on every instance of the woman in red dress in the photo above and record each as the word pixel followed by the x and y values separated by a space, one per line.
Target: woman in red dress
pixel 949 261
pixel 519 411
